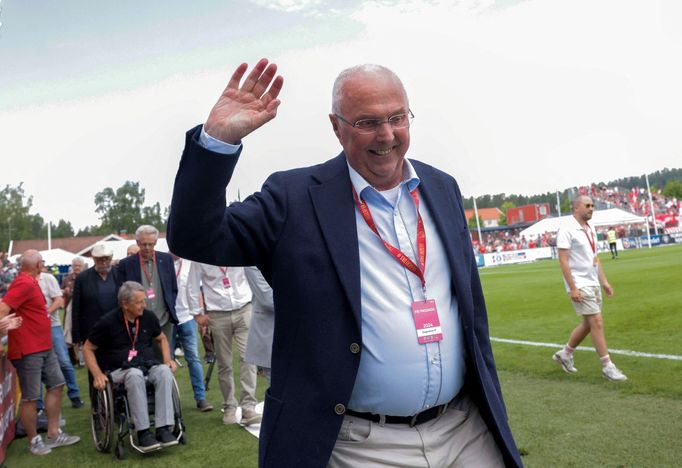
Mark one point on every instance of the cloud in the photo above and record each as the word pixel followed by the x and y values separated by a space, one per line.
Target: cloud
pixel 514 97
pixel 290 6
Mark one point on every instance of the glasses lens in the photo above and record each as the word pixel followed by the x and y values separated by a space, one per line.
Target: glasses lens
pixel 372 125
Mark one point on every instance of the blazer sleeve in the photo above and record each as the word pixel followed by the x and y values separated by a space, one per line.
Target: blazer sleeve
pixel 120 274
pixel 202 228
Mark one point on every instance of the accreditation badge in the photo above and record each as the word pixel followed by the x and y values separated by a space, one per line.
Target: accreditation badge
pixel 426 321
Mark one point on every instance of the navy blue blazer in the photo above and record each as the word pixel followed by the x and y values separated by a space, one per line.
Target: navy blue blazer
pixel 86 309
pixel 300 232
pixel 129 270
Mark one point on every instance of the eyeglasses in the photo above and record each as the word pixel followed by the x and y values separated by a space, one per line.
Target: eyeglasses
pixel 367 126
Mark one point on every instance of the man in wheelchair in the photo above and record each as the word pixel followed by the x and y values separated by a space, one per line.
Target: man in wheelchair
pixel 121 345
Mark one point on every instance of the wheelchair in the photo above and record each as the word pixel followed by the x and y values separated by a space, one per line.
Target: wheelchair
pixel 111 423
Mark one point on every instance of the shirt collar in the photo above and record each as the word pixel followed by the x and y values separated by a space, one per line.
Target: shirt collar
pixel 410 178
pixel 577 224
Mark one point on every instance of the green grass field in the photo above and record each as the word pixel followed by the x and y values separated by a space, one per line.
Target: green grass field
pixel 558 420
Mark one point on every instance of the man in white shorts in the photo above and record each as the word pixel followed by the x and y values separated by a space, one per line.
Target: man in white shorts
pixel 583 276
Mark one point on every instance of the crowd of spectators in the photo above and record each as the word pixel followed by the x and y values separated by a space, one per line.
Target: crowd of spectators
pixel 503 241
pixel 8 271
pixel 636 200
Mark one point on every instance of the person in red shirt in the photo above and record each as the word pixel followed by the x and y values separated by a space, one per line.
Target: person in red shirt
pixel 30 350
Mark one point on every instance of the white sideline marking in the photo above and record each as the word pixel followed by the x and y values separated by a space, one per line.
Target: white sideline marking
pixel 624 352
pixel 255 429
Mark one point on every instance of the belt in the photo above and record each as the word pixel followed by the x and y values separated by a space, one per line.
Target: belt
pixel 419 418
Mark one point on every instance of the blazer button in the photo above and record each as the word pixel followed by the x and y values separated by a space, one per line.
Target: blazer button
pixel 354 348
pixel 339 409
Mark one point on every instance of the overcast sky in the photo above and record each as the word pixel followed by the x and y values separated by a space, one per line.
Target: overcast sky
pixel 513 96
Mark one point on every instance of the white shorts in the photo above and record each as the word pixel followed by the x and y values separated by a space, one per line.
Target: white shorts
pixel 591 303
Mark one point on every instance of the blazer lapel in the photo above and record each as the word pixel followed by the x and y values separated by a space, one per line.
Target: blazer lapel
pixel 445 210
pixel 333 204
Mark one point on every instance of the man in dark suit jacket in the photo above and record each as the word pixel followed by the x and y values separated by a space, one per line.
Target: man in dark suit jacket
pixel 94 293
pixel 346 362
pixel 155 271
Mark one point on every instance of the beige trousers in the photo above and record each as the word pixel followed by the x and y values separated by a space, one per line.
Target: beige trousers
pixel 457 438
pixel 226 326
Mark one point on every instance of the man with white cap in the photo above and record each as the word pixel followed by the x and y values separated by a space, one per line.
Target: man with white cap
pixel 94 293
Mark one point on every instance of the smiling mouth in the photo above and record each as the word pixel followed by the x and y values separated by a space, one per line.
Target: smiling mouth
pixel 382 152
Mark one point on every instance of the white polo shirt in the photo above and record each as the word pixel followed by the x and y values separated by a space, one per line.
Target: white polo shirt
pixel 572 236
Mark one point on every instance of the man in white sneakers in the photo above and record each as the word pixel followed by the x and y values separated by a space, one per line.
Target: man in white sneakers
pixel 583 276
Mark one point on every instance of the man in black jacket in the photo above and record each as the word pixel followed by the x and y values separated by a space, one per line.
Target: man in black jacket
pixel 94 293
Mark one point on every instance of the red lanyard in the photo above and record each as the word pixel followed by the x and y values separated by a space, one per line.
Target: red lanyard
pixel 397 253
pixel 590 239
pixel 137 330
pixel 148 274
pixel 224 270
pixel 177 272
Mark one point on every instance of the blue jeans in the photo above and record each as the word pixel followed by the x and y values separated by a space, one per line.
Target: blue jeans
pixel 187 335
pixel 59 348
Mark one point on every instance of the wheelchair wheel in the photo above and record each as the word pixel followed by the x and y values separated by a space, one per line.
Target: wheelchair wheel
pixel 179 426
pixel 102 418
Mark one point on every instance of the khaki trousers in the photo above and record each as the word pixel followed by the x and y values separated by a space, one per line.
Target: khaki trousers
pixel 226 326
pixel 457 438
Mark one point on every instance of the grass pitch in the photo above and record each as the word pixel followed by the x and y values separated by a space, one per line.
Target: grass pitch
pixel 558 420
pixel 582 420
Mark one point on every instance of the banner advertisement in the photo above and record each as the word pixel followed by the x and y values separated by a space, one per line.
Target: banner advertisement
pixel 8 404
pixel 516 256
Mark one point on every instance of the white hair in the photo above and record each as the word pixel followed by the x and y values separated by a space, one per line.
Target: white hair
pixel 127 291
pixel 364 69
pixel 146 229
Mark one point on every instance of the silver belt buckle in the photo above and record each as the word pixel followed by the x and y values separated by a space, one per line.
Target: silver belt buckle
pixel 413 421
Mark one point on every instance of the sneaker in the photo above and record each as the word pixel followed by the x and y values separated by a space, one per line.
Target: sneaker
pixel 77 403
pixel 165 437
pixel 230 416
pixel 611 372
pixel 62 440
pixel 38 447
pixel 146 441
pixel 204 406
pixel 250 416
pixel 179 352
pixel 565 361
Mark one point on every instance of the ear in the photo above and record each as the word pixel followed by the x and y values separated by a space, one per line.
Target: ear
pixel 335 125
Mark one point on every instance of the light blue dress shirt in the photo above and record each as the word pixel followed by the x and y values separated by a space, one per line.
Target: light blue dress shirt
pixel 397 375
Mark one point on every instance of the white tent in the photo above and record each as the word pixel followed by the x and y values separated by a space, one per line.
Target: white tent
pixel 120 247
pixel 610 217
pixel 57 257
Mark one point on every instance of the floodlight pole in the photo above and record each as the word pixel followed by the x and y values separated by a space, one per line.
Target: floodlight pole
pixel 651 205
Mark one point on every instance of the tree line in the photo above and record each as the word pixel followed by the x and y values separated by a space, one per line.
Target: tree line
pixel 120 211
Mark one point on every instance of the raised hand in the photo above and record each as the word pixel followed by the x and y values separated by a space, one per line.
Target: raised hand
pixel 242 109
